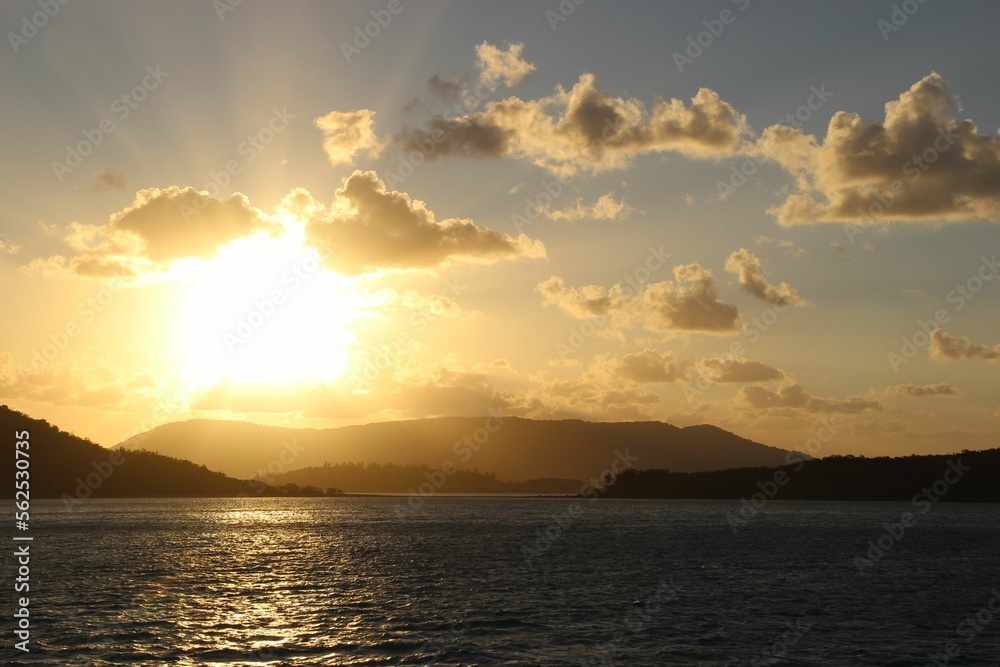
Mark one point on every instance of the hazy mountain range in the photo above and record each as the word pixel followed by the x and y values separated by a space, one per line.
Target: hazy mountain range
pixel 551 456
pixel 514 450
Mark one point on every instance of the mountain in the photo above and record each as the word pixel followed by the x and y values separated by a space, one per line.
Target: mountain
pixel 968 476
pixel 61 463
pixel 516 449
pixel 391 478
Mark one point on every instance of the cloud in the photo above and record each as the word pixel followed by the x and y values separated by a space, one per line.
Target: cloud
pixel 794 397
pixel 753 279
pixel 599 393
pixel 913 390
pixel 449 91
pixel 84 382
pixel 175 223
pixel 585 129
pixel 605 208
pixel 347 132
pixel 784 244
pixel 368 228
pixel 920 163
pixel 649 366
pixel 388 301
pixel 584 302
pixel 689 304
pixel 161 225
pixel 8 247
pixel 738 370
pixel 495 64
pixel 945 347
pixel 108 178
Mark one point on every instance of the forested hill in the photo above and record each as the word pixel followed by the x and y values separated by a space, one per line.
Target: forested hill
pixel 61 463
pixel 968 477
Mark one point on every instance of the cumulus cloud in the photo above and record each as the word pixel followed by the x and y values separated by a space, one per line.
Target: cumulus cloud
pixel 688 304
pixel 497 65
pixel 785 244
pixel 449 91
pixel 586 128
pixel 161 225
pixel 793 397
pixel 109 178
pixel 649 366
pixel 605 208
pixel 945 347
pixel 753 279
pixel 598 393
pixel 919 163
pixel 368 228
pixel 916 391
pixel 8 247
pixel 584 302
pixel 738 370
pixel 345 133
pixel 174 222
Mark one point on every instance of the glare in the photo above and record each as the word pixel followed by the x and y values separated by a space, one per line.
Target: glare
pixel 264 311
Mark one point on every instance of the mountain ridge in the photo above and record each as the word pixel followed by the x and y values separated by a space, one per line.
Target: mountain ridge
pixel 514 448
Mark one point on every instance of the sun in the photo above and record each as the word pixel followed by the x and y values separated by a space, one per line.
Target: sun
pixel 264 311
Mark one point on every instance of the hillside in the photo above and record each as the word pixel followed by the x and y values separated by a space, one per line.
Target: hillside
pixel 62 463
pixel 519 449
pixel 968 476
pixel 390 478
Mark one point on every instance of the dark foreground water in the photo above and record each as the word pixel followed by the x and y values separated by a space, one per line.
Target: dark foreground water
pixel 360 581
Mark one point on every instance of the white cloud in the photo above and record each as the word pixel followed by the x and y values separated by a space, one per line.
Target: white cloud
pixel 368 228
pixel 497 65
pixel 753 279
pixel 920 163
pixel 347 133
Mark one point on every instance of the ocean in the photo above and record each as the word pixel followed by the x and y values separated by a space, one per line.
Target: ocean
pixel 510 581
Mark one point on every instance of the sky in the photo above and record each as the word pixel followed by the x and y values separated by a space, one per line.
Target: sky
pixel 773 217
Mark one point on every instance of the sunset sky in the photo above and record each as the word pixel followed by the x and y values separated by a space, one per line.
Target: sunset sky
pixel 756 215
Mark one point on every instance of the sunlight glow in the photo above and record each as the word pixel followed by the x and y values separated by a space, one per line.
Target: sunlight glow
pixel 264 310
